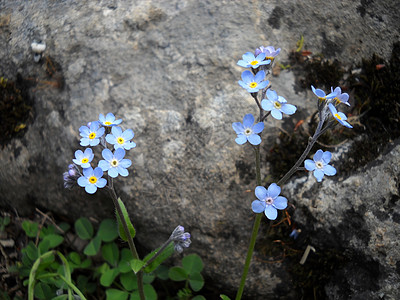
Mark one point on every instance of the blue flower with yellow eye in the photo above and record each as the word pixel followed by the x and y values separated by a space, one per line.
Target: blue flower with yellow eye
pixel 109 120
pixel 320 165
pixel 339 116
pixel 92 179
pixel 269 51
pixel 83 158
pixel 253 83
pixel 249 60
pixel 248 131
pixel 115 163
pixel 269 201
pixel 322 95
pixel 91 134
pixel 277 105
pixel 121 139
pixel 340 97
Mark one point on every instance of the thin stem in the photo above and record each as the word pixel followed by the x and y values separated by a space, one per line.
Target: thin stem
pixel 128 235
pixel 163 247
pixel 256 227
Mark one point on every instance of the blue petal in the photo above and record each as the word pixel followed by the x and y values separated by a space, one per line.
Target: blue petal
pixel 280 202
pixel 326 157
pixel 238 127
pixel 288 109
pixel 248 120
pixel 261 192
pixel 267 105
pixel 320 93
pixel 90 189
pixel 83 181
pixel 319 174
pixel 247 76
pixel 260 57
pixel 102 119
pixel 110 117
pixel 342 116
pixel 243 63
pixel 129 145
pixel 329 170
pixel 98 172
pixel 272 95
pixel 107 154
pixel 84 142
pixel 258 206
pixel 100 132
pixel 119 153
pixel 248 56
pixel 257 128
pixel 332 109
pixel 94 142
pixel 128 134
pixel 243 84
pixel 84 130
pixel 116 131
pixel 271 212
pixel 79 154
pixel 125 163
pixel 111 139
pixel 263 85
pixel 104 165
pixel 112 172
pixel 281 99
pixel 259 76
pixel 122 171
pixel 88 172
pixel 274 190
pixel 276 114
pixel 309 165
pixel 101 182
pixel 318 155
pixel 241 139
pixel 254 139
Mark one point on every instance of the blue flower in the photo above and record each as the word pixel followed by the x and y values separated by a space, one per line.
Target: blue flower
pixel 339 116
pixel 92 179
pixel 109 120
pixel 321 94
pixel 121 139
pixel 269 201
pixel 180 238
pixel 115 163
pixel 83 158
pixel 319 165
pixel 277 105
pixel 340 97
pixel 253 83
pixel 249 60
pixel 247 131
pixel 91 135
pixel 270 52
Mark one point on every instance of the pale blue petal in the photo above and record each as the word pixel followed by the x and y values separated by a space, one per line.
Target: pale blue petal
pixel 116 131
pixel 276 114
pixel 104 165
pixel 259 76
pixel 342 116
pixel 319 174
pixel 107 154
pixel 248 56
pixel 88 172
pixel 260 57
pixel 320 93
pixel 100 132
pixel 332 109
pixel 84 142
pixel 238 127
pixel 241 139
pixel 263 85
pixel 248 120
pixel 117 122
pixel 98 172
pixel 84 130
pixel 288 109
pixel 247 76
pixel 94 142
pixel 243 63
pixel 309 165
pixel 128 134
pixel 119 153
pixel 257 128
pixel 125 163
pixel 79 154
pixel 102 119
pixel 129 145
pixel 329 170
pixel 261 192
pixel 112 172
pixel 243 84
pixel 272 95
pixel 90 189
pixel 280 202
pixel 274 190
pixel 83 181
pixel 258 206
pixel 281 99
pixel 326 157
pixel 271 212
pixel 101 182
pixel 267 105
pixel 122 171
pixel 111 139
pixel 254 139
pixel 318 155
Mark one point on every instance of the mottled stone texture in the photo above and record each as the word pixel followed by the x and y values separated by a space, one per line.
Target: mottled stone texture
pixel 168 68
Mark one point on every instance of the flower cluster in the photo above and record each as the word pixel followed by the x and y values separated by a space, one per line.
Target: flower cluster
pixel 180 238
pixel 100 132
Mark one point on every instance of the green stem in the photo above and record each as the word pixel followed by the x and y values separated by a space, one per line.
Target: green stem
pixel 128 235
pixel 69 283
pixel 256 227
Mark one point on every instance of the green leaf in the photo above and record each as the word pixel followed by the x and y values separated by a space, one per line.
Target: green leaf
pixel 31 251
pixel 124 264
pixel 110 253
pixel 107 278
pixel 43 291
pixel 113 294
pixel 169 250
pixel 149 292
pixel 177 274
pixel 54 240
pixel 192 263
pixel 162 272
pixel 64 226
pixel 30 228
pixel 84 228
pixel 196 281
pixel 136 265
pixel 129 281
pixel 61 297
pixel 74 258
pixel 47 230
pixel 148 278
pixel 199 297
pixel 93 247
pixel 224 297
pixel 131 229
pixel 85 264
pixel 44 246
pixel 108 230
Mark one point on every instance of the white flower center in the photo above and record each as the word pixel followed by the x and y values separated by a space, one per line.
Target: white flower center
pixel 248 131
pixel 319 164
pixel 277 105
pixel 269 201
pixel 114 163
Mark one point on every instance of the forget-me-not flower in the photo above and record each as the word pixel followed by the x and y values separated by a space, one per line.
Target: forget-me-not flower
pixel 269 201
pixel 339 116
pixel 277 105
pixel 270 52
pixel 247 131
pixel 180 238
pixel 319 165
pixel 121 139
pixel 115 163
pixel 249 60
pixel 91 134
pixel 339 96
pixel 92 179
pixel 109 120
pixel 322 95
pixel 253 83
pixel 83 158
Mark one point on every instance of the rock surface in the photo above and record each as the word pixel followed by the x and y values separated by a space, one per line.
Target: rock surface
pixel 168 68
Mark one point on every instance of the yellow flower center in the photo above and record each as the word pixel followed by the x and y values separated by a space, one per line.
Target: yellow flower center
pixel 114 162
pixel 85 160
pixel 253 85
pixel 269 57
pixel 107 123
pixel 337 116
pixel 277 105
pixel 93 179
pixel 254 62
pixel 92 135
pixel 120 140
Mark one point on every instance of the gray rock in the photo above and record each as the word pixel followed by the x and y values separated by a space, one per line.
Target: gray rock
pixel 168 68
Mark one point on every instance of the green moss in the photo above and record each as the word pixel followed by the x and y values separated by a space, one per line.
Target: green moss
pixel 15 109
